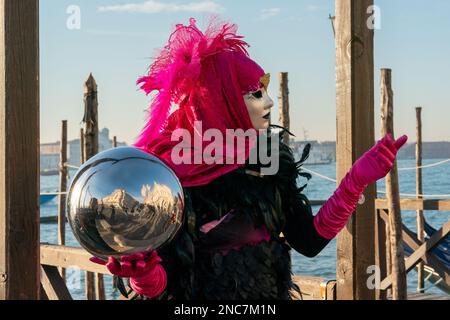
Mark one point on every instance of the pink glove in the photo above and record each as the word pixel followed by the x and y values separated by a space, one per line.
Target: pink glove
pixel 370 167
pixel 147 275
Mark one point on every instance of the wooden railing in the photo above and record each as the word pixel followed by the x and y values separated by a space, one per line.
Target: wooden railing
pixel 312 288
pixel 54 287
pixel 422 250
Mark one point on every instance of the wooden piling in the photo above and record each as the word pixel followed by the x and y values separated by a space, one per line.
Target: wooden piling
pixel 90 118
pixel 283 103
pixel 63 171
pixel 115 142
pixel 19 150
pixel 355 135
pixel 419 192
pixel 82 156
pixel 399 289
pixel 100 286
pixel 90 147
pixel 89 282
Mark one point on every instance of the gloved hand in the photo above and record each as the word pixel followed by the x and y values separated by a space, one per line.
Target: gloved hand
pixel 147 275
pixel 378 161
pixel 370 167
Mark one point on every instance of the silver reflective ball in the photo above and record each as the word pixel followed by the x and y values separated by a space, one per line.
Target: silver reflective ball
pixel 124 201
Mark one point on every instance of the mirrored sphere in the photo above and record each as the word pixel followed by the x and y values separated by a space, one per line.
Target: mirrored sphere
pixel 124 201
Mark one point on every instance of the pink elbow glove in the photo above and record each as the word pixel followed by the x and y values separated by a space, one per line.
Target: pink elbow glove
pixel 370 167
pixel 147 275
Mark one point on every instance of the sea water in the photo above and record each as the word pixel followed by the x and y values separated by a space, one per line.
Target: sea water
pixel 436 180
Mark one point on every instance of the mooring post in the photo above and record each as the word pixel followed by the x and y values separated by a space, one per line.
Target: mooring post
pixel 283 103
pixel 90 120
pixel 419 192
pixel 82 156
pixel 19 150
pixel 399 290
pixel 355 135
pixel 115 142
pixel 63 171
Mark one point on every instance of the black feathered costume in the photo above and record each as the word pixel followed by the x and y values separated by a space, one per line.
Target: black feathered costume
pixel 196 267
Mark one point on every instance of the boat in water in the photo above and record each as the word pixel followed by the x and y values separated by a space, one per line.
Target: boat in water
pixel 46 198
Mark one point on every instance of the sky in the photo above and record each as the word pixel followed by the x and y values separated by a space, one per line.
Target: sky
pixel 115 40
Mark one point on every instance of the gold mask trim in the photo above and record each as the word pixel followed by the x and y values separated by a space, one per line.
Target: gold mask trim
pixel 265 80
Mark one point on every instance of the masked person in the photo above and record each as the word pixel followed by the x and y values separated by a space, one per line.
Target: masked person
pixel 240 224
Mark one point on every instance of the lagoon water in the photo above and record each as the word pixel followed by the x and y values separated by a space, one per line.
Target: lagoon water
pixel 436 180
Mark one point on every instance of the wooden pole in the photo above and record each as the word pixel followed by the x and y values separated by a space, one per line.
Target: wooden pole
pixel 82 156
pixel 419 192
pixel 62 188
pixel 91 149
pixel 115 142
pixel 399 290
pixel 90 118
pixel 388 255
pixel 100 286
pixel 89 282
pixel 355 135
pixel 283 103
pixel 380 252
pixel 19 150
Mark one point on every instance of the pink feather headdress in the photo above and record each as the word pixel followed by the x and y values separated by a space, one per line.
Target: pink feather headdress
pixel 205 76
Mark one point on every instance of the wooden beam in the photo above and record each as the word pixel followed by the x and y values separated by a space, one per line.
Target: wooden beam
pixel 54 285
pixel 66 257
pixel 19 149
pixel 417 204
pixel 429 258
pixel 399 288
pixel 414 258
pixel 355 135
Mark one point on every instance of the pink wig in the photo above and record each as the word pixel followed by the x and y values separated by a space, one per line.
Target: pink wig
pixel 205 75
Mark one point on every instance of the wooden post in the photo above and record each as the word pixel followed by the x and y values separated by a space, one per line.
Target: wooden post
pixel 387 249
pixel 82 156
pixel 380 253
pixel 62 188
pixel 89 282
pixel 115 142
pixel 399 290
pixel 91 149
pixel 419 192
pixel 19 150
pixel 355 135
pixel 283 103
pixel 100 286
pixel 90 118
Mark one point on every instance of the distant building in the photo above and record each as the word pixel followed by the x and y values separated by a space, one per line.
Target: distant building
pixel 50 151
pixel 49 157
pixel 320 153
